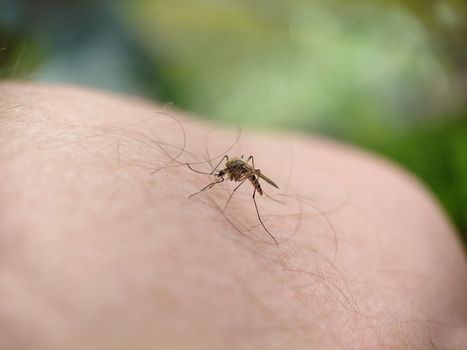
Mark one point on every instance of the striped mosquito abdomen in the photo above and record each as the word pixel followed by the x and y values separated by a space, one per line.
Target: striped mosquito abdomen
pixel 254 181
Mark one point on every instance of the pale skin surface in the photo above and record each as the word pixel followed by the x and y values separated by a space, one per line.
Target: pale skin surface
pixel 98 253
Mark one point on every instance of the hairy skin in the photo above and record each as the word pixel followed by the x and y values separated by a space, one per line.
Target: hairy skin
pixel 98 253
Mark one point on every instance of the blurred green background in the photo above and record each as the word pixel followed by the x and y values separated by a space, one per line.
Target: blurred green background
pixel 388 75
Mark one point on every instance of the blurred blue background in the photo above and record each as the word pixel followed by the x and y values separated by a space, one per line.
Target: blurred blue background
pixel 387 75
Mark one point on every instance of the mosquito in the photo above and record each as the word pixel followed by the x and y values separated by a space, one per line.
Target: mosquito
pixel 238 170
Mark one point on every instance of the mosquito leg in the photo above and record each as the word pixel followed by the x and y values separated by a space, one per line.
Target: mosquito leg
pixel 252 161
pixel 226 157
pixel 196 171
pixel 211 185
pixel 231 195
pixel 261 220
pixel 255 171
pixel 212 172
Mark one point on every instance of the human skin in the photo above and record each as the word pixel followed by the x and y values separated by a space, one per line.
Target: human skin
pixel 98 251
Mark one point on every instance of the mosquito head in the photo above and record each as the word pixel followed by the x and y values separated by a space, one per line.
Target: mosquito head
pixel 220 173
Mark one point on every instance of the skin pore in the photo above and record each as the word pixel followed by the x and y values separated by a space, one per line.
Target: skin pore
pixel 97 252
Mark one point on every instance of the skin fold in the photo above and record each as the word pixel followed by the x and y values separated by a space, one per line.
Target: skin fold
pixel 101 248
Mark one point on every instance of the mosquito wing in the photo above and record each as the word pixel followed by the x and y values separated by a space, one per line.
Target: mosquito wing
pixel 264 177
pixel 268 180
